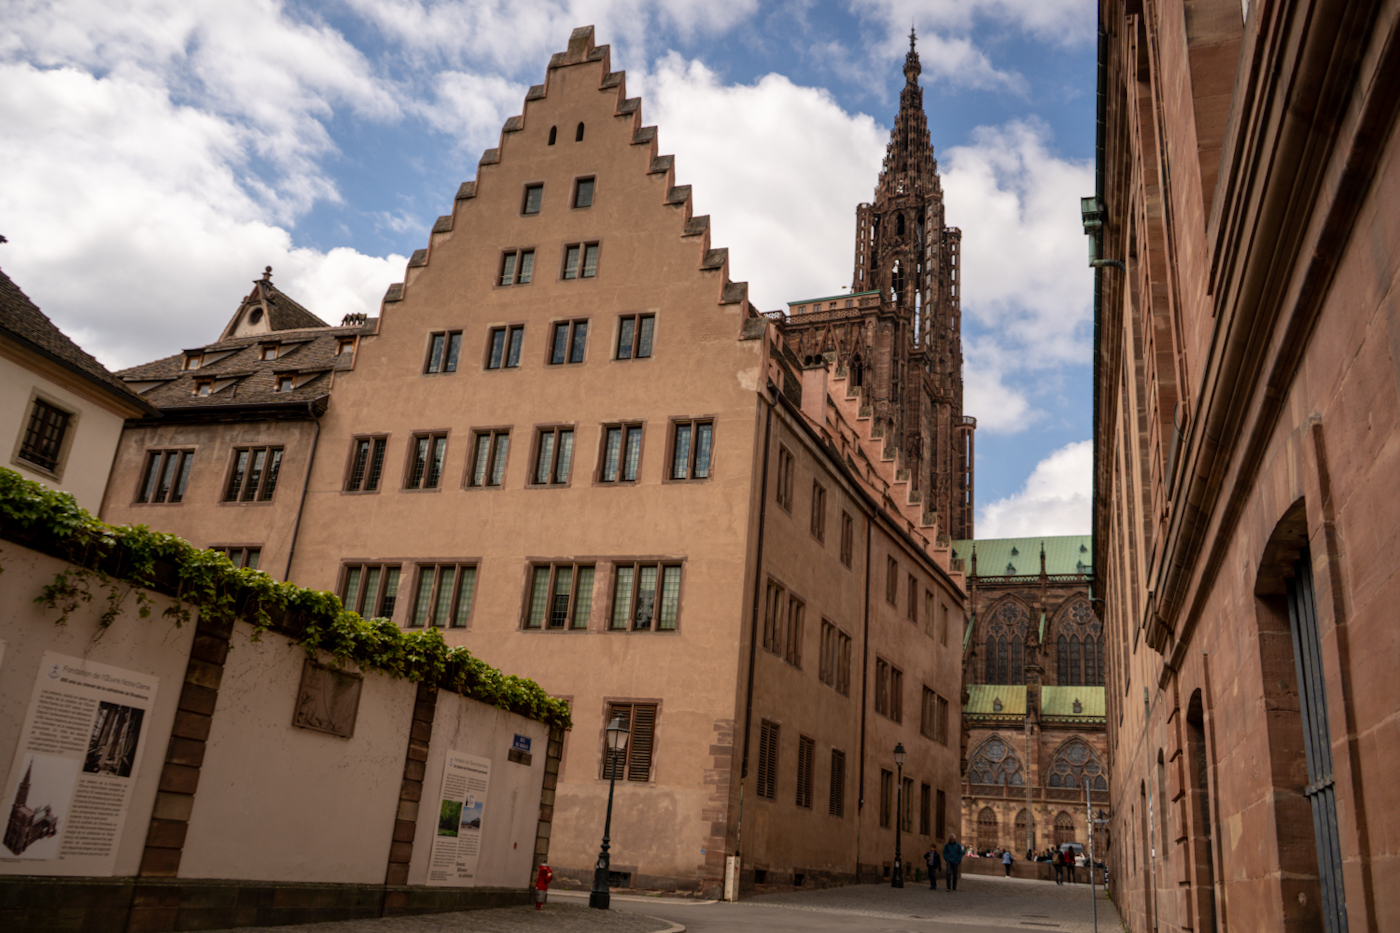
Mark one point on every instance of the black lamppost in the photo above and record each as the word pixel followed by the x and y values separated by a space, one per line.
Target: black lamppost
pixel 897 876
pixel 617 744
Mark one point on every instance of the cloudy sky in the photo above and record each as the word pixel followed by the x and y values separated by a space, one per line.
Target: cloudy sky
pixel 158 153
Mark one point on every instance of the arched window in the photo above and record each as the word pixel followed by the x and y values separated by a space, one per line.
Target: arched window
pixel 553 133
pixel 857 371
pixel 899 225
pixel 988 835
pixel 1064 828
pixel 995 763
pixel 1079 645
pixel 1022 822
pixel 1006 641
pixel 1074 762
pixel 578 134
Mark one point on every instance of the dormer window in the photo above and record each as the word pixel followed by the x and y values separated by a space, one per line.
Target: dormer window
pixel 268 352
pixel 996 704
pixel 203 387
pixel 1078 707
pixel 286 383
pixel 344 346
pixel 193 360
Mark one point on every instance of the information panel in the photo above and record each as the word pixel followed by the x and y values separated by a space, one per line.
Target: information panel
pixel 461 807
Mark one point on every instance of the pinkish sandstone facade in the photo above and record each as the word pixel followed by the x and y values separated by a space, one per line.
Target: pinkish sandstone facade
pixel 1247 400
pixel 571 444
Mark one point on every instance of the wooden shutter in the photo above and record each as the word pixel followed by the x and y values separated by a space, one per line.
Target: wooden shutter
pixel 768 760
pixel 623 712
pixel 639 746
pixel 806 752
pixel 837 805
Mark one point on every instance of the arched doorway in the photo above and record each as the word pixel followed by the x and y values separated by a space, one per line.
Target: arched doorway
pixel 1064 828
pixel 988 833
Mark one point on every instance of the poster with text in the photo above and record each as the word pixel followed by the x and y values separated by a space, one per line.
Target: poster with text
pixel 70 784
pixel 461 807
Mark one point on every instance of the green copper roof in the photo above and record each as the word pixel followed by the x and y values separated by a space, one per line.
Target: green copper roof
pixel 981 700
pixel 1019 557
pixel 1059 702
pixel 807 301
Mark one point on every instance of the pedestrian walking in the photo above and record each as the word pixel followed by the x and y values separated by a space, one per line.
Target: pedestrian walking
pixel 931 860
pixel 1058 860
pixel 1080 861
pixel 952 858
pixel 1069 867
pixel 1006 862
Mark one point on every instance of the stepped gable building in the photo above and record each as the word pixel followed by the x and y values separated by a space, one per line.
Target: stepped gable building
pixel 63 411
pixel 1033 700
pixel 897 336
pixel 235 428
pixel 1247 443
pixel 570 443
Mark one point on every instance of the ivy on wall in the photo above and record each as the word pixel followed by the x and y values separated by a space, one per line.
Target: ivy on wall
pixel 113 562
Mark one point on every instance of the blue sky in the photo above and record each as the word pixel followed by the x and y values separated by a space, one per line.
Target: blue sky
pixel 159 153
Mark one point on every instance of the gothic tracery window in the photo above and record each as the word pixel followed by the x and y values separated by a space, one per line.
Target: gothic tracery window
pixel 1006 642
pixel 1074 762
pixel 1079 646
pixel 1064 828
pixel 995 763
pixel 988 836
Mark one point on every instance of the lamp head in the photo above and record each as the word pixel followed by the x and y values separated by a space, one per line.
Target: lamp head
pixel 617 735
pixel 899 754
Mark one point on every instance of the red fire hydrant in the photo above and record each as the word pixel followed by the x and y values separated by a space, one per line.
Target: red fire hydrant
pixel 542 880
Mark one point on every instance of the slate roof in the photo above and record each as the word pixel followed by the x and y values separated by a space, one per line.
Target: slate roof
pixel 1064 554
pixel 284 313
pixel 242 378
pixel 22 321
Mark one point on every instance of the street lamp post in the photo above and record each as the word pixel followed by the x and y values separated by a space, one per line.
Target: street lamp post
pixel 617 744
pixel 897 876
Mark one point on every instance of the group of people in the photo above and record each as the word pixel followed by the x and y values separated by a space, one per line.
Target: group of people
pixel 951 862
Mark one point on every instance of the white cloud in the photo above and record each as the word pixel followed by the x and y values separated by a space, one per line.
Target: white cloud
pixel 1061 21
pixel 472 108
pixel 123 207
pixel 1055 500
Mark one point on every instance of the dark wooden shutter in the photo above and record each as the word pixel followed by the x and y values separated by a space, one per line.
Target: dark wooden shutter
pixel 623 712
pixel 837 804
pixel 640 745
pixel 768 760
pixel 806 752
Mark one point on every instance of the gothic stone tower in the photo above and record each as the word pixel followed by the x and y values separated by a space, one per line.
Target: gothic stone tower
pixel 898 336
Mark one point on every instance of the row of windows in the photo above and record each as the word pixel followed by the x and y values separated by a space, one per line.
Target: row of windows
pixel 645 595
pixel 930 823
pixel 577 261
pixel 568 340
pixel 766 782
pixel 252 475
pixel 533 198
pixel 935 614
pixel 551 461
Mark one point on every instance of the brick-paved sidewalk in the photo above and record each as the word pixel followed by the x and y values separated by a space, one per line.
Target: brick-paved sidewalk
pixel 555 918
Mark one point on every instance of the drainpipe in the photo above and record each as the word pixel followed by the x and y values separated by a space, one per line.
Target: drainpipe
pixel 864 693
pixel 305 484
pixel 753 640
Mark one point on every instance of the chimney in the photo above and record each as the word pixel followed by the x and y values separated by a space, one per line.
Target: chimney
pixel 814 376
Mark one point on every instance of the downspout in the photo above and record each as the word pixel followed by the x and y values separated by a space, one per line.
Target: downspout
pixel 305 484
pixel 753 631
pixel 864 693
pixel 1099 134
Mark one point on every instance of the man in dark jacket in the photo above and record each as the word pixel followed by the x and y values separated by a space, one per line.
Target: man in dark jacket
pixel 952 857
pixel 931 860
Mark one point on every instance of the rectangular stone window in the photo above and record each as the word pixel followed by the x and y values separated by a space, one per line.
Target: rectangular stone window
pixel 503 347
pixel 581 261
pixel 889 690
pixel 891 581
pixel 690 449
pixel 796 612
pixel 784 478
pixel 253 477
pixel 622 453
pixel 848 535
pixel 167 473
pixel 634 334
pixel 534 197
pixel 940 814
pixel 241 556
pixel 806 764
pixel 488 466
pixel 568 342
pixel 942 623
pixel 426 455
pixel 836 802
pixel 906 805
pixel 767 783
pixel 583 192
pixel 819 511
pixel 443 596
pixel 561 597
pixel 925 793
pixel 372 590
pixel 444 347
pixel 517 267
pixel 834 669
pixel 554 454
pixel 646 597
pixel 886 797
pixel 634 764
pixel 912 609
pixel 366 464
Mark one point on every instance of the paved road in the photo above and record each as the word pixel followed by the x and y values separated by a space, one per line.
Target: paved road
pixel 980 905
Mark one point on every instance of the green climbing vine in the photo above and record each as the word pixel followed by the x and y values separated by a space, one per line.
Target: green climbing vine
pixel 113 563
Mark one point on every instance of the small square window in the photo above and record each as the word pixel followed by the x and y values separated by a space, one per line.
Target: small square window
pixel 517 266
pixel 567 345
pixel 372 590
pixel 426 455
pixel 194 360
pixel 554 454
pixel 43 436
pixel 503 348
pixel 268 352
pixel 443 597
pixel 366 464
pixel 344 345
pixel 583 192
pixel 690 449
pixel 534 195
pixel 581 261
pixel 646 597
pixel 488 466
pixel 634 336
pixel 205 387
pixel 444 347
pixel 622 453
pixel 560 598
pixel 241 556
pixel 254 474
pixel 286 383
pixel 167 473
